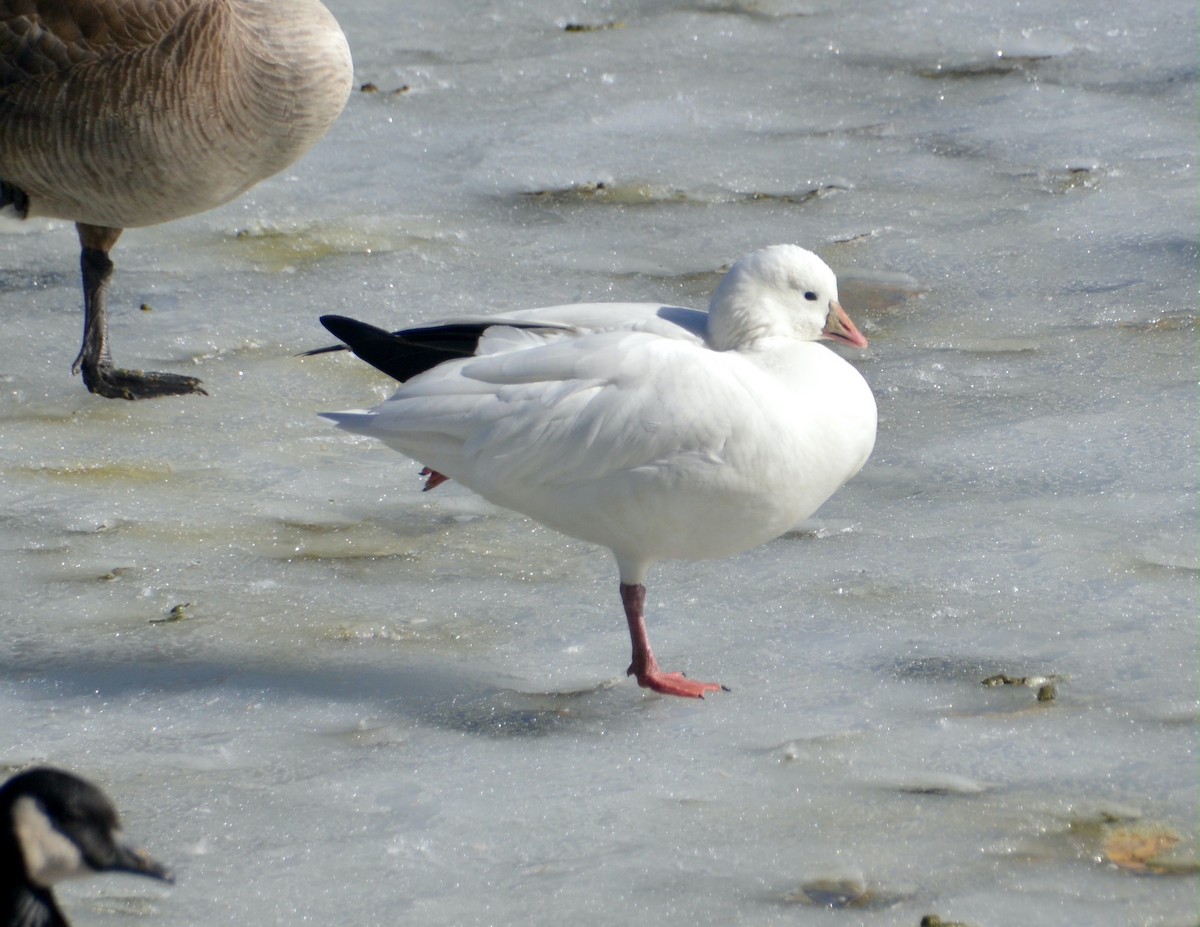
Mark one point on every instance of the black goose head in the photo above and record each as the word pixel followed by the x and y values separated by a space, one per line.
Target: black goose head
pixel 55 826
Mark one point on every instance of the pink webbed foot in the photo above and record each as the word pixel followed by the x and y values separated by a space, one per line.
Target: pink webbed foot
pixel 674 683
pixel 644 666
pixel 434 479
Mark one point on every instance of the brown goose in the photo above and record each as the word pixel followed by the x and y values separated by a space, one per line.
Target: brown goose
pixel 125 113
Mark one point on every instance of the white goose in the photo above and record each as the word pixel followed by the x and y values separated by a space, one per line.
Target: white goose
pixel 656 431
pixel 123 113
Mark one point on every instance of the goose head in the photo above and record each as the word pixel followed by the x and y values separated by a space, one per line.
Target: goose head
pixel 783 291
pixel 55 825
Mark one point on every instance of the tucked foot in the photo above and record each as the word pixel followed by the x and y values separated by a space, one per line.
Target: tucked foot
pixel 433 479
pixel 675 684
pixel 116 383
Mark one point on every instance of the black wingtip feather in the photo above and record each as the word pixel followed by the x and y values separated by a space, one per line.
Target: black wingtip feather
pixel 404 354
pixel 379 348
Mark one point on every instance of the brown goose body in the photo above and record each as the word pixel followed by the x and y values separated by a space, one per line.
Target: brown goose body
pixel 126 113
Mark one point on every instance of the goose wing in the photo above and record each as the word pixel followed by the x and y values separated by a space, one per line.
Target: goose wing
pixel 47 37
pixel 572 410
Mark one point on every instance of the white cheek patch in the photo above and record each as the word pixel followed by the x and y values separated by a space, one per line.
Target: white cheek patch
pixel 49 855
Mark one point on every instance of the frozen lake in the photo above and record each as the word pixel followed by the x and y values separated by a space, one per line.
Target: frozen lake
pixel 385 707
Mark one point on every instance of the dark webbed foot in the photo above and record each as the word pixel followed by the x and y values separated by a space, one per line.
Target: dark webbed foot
pixel 94 360
pixel 116 383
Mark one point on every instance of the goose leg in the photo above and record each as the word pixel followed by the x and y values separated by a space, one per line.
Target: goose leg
pixel 94 360
pixel 644 666
pixel 15 197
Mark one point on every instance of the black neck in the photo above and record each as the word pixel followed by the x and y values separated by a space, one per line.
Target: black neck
pixel 23 904
pixel 29 906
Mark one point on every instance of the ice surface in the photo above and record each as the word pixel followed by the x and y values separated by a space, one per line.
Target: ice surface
pixel 384 707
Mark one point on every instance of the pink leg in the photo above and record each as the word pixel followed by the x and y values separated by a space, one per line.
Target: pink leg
pixel 434 480
pixel 644 666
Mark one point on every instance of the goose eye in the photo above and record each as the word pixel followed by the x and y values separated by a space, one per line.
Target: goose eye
pixel 810 296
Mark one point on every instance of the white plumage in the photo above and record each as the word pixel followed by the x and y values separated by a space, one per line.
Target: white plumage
pixel 656 431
